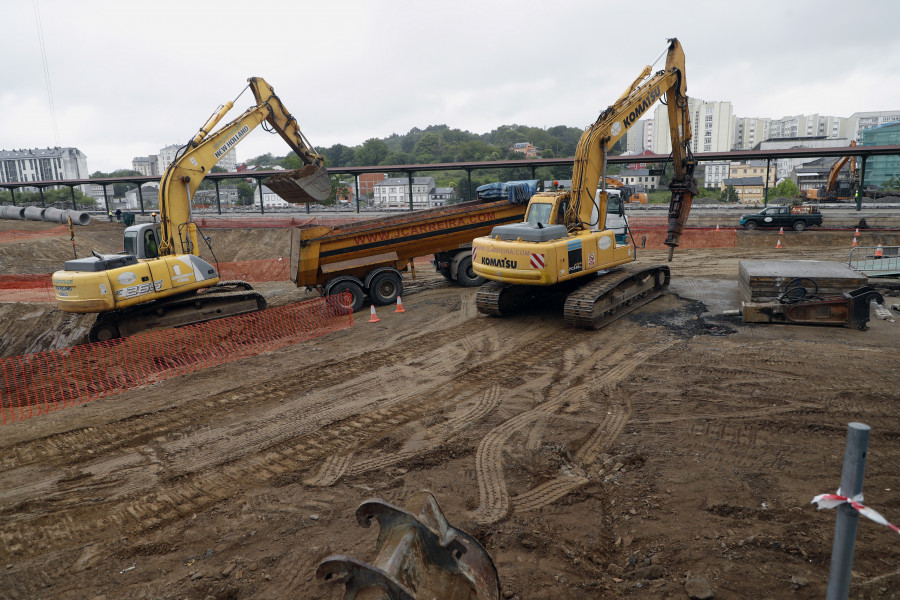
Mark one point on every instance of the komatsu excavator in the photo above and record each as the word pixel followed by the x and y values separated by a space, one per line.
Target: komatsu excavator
pixel 564 244
pixel 159 280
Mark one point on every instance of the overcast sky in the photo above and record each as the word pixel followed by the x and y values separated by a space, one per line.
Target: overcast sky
pixel 128 78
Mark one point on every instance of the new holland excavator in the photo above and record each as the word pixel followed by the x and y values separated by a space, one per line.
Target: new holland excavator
pixel 159 280
pixel 564 244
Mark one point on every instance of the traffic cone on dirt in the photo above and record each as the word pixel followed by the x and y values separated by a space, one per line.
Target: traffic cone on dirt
pixel 373 318
pixel 879 251
pixel 717 226
pixel 854 243
pixel 781 231
pixel 399 305
pixel 778 245
pixel 857 232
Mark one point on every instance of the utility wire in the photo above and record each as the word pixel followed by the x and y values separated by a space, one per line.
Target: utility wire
pixel 40 31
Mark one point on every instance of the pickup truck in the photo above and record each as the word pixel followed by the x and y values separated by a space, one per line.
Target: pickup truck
pixel 797 218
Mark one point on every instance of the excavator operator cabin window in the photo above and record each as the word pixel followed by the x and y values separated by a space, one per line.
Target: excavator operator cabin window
pixel 539 213
pixel 150 248
pixel 130 246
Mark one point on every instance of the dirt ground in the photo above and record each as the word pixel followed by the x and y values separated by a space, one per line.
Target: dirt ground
pixel 672 445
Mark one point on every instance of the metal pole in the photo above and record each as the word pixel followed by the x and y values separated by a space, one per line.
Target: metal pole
pixel 105 198
pixel 12 195
pixel 766 193
pixel 409 179
pixel 218 199
pixel 862 179
pixel 72 190
pixel 357 192
pixel 847 518
pixel 469 191
pixel 262 209
pixel 41 190
pixel 141 197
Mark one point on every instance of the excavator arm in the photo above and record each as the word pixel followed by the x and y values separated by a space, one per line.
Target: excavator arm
pixel 614 122
pixel 197 157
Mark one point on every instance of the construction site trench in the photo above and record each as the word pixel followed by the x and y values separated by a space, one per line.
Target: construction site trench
pixel 672 454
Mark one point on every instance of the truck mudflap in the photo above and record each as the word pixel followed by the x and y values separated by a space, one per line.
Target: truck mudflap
pixel 419 555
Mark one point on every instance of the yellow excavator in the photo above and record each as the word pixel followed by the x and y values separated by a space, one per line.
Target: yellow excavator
pixel 159 280
pixel 564 245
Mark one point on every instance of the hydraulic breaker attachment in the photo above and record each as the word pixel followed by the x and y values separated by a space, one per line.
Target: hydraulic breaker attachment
pixel 419 557
pixel 850 309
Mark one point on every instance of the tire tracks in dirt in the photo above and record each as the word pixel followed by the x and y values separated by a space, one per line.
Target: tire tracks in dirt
pixel 494 500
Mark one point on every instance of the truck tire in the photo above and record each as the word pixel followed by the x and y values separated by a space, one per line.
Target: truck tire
pixel 385 288
pixel 751 225
pixel 466 276
pixel 356 294
pixel 799 225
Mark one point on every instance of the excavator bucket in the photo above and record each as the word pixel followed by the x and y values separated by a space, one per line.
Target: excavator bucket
pixel 309 184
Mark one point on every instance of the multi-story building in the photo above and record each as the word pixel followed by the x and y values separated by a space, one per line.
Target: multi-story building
pixel 442 195
pixel 146 165
pixel 749 189
pixel 749 131
pixel 525 148
pixel 634 137
pixel 860 121
pixel 639 177
pixel 714 173
pixel 880 169
pixel 167 155
pixel 712 127
pixel 394 192
pixel 42 164
pixel 784 167
pixel 753 168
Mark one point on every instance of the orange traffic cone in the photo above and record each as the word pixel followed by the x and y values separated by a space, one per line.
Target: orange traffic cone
pixel 854 243
pixel 399 305
pixel 373 318
pixel 879 251
pixel 781 231
pixel 717 226
pixel 857 232
pixel 778 245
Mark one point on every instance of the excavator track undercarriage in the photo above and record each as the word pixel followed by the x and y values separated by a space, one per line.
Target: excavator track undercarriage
pixel 227 298
pixel 588 305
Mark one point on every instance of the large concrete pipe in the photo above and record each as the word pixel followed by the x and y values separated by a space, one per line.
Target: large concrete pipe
pixel 12 212
pixel 55 215
pixel 34 213
pixel 79 217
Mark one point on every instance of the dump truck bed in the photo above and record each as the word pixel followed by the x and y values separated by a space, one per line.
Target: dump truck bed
pixel 319 254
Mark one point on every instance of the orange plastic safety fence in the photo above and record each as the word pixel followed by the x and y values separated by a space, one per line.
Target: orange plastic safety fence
pixel 40 383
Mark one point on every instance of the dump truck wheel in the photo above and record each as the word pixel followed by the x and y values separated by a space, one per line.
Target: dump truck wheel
pixel 385 287
pixel 356 294
pixel 465 274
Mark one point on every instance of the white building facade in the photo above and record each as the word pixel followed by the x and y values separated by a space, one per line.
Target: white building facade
pixel 42 164
pixel 712 127
pixel 167 155
pixel 394 192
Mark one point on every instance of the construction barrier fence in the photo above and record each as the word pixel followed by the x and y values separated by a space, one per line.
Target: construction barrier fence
pixel 652 238
pixel 44 382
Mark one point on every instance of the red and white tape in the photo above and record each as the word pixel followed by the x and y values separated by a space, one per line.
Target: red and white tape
pixel 834 500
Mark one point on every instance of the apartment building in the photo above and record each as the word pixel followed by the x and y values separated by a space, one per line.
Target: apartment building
pixel 714 173
pixel 146 165
pixel 750 190
pixel 749 131
pixel 394 192
pixel 712 127
pixel 167 155
pixel 753 168
pixel 639 177
pixel 42 164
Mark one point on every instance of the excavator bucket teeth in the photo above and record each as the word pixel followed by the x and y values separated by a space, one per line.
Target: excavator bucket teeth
pixel 309 184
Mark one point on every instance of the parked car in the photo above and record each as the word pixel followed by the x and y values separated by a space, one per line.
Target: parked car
pixel 797 218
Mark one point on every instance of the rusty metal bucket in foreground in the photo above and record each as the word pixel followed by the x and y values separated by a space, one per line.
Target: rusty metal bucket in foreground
pixel 309 184
pixel 420 556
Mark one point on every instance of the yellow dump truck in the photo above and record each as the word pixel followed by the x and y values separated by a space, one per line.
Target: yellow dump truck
pixel 366 257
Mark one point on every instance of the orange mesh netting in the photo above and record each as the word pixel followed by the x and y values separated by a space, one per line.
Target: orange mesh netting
pixel 35 384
